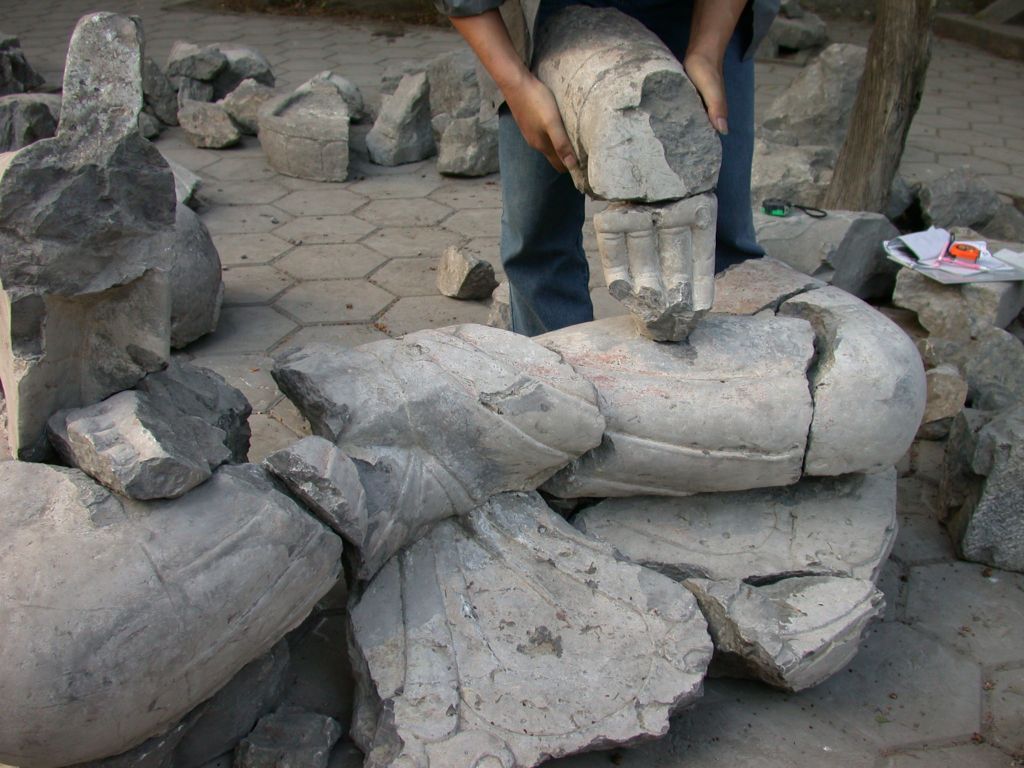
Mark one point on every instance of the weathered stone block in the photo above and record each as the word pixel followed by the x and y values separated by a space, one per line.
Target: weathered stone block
pixel 289 738
pixel 25 118
pixel 182 594
pixel 728 409
pixel 244 103
pixel 509 599
pixel 797 174
pixel 957 199
pixel 345 88
pixel 868 385
pixel 469 147
pixel 208 125
pixel 242 63
pixel 306 133
pixel 189 60
pixel 453 83
pixel 947 393
pixel 637 125
pixel 149 126
pixel 462 274
pixel 402 132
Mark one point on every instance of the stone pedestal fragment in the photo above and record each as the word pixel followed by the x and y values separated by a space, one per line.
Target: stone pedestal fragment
pixel 728 409
pixel 508 638
pixel 636 123
pixel 197 289
pixel 305 134
pixel 181 595
pixel 842 526
pixel 208 125
pixel 868 385
pixel 758 284
pixel 843 249
pixel 16 76
pixel 344 87
pixel 468 147
pixel 86 305
pixel 440 421
pixel 402 132
pixel 25 118
pixel 463 275
pixel 244 103
pixel 289 738
pixel 659 261
pixel 792 634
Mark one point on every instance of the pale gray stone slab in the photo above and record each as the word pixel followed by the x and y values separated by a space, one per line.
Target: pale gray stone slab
pixel 402 132
pixel 637 125
pixel 244 103
pixel 792 634
pixel 594 651
pixel 728 409
pixel 181 595
pixel 462 274
pixel 441 420
pixel 208 125
pixel 289 738
pixel 306 133
pixel 868 385
pixel 824 526
pixel 25 118
pixel 327 481
pixel 16 75
pixel 758 284
pixel 844 249
pixel 815 108
pixel 469 147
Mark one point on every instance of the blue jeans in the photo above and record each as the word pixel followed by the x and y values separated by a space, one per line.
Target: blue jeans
pixel 542 216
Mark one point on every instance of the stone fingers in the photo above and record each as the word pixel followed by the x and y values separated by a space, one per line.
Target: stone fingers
pixel 618 229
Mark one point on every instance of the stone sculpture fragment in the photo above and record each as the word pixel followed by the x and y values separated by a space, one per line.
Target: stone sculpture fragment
pixel 306 133
pixel 507 638
pixel 345 88
pixel 462 274
pixel 755 285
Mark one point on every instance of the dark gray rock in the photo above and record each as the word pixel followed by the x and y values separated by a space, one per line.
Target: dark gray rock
pixel 994 367
pixel 189 60
pixel 244 104
pixel 289 738
pixel 395 71
pixel 149 126
pixel 25 118
pixel 797 34
pixel 402 132
pixel 208 125
pixel 1006 224
pixel 957 198
pixel 16 76
pixel 197 289
pixel 159 93
pixel 190 89
pixel 243 63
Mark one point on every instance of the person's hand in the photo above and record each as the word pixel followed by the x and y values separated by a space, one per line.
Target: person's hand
pixel 706 75
pixel 534 109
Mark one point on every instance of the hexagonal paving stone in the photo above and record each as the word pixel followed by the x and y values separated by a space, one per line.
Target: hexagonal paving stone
pixel 286 412
pixel 324 229
pixel 408 277
pixel 192 158
pixel 399 184
pixel 418 312
pixel 331 262
pixel 249 249
pixel 268 435
pixel 337 301
pixel 321 202
pixel 253 284
pixel 967 756
pixel 903 688
pixel 468 194
pixel 1006 703
pixel 250 373
pixel 218 192
pixel 481 222
pixel 408 242
pixel 344 335
pixel 408 213
pixel 605 305
pixel 242 219
pixel 240 169
pixel 244 330
pixel 975 609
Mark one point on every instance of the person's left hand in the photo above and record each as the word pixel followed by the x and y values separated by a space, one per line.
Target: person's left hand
pixel 706 76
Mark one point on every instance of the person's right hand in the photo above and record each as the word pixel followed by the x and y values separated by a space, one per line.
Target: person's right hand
pixel 534 109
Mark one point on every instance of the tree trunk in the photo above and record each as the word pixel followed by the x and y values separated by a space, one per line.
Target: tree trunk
pixel 887 100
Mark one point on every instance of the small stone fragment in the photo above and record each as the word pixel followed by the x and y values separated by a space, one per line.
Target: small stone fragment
pixel 242 63
pixel 461 274
pixel 326 481
pixel 159 93
pixel 402 132
pixel 289 738
pixel 957 199
pixel 189 60
pixel 16 76
pixel 501 310
pixel 244 104
pixel 792 634
pixel 186 184
pixel 513 599
pixel 306 134
pixel 758 284
pixel 208 125
pixel 26 118
pixel 348 91
pixel 469 147
pixel 947 393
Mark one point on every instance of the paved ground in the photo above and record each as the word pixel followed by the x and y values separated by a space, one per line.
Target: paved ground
pixel 939 683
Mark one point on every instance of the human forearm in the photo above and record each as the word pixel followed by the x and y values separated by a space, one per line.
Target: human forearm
pixel 711 28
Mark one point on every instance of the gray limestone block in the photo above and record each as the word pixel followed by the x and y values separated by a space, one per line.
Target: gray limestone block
pixel 792 634
pixel 796 174
pixel 453 83
pixel 843 526
pixel 16 75
pixel 244 104
pixel 127 443
pixel 815 108
pixel 758 284
pixel 186 185
pixel 843 249
pixel 728 409
pixel 306 134
pixel 242 63
pixel 597 651
pixel 659 261
pixel 797 34
pixel 149 126
pixel 158 92
pixel 26 118
pixel 440 421
pixel 637 125
pixel 988 526
pixel 189 60
pixel 233 711
pixel 462 274
pixel 957 198
pixel 326 481
pixel 469 147
pixel 947 393
pixel 185 389
pixel 208 125
pixel 190 89
pixel 402 132
pixel 197 289
pixel 181 595
pixel 345 88
pixel 868 384
pixel 289 737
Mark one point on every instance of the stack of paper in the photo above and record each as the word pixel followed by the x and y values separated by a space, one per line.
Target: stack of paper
pixel 927 252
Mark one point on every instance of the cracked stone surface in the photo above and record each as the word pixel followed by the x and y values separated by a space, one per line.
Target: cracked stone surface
pixel 482 411
pixel 306 133
pixel 513 599
pixel 757 284
pixel 183 594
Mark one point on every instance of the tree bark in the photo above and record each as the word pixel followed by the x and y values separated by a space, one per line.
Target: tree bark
pixel 887 100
